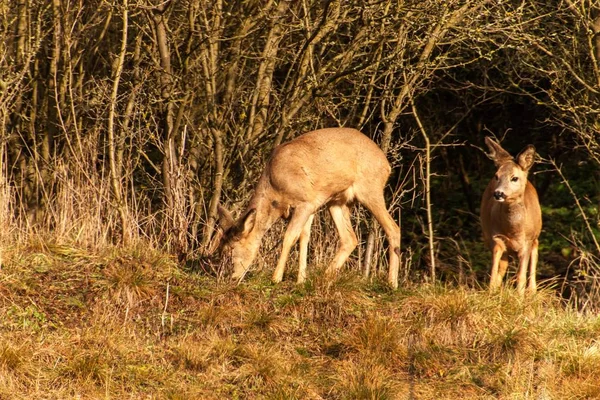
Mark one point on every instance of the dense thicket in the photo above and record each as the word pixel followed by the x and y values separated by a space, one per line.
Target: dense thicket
pixel 128 120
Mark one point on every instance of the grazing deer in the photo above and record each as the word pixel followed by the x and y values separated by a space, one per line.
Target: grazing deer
pixel 511 218
pixel 328 166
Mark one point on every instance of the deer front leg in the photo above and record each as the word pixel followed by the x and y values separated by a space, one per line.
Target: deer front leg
pixel 497 254
pixel 292 233
pixel 524 256
pixel 533 267
pixel 502 267
pixel 304 239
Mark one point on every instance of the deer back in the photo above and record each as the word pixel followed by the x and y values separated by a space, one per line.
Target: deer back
pixel 320 164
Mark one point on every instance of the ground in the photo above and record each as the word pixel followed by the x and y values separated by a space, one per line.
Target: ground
pixel 132 323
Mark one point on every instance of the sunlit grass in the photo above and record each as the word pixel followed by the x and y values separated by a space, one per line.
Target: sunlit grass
pixel 132 324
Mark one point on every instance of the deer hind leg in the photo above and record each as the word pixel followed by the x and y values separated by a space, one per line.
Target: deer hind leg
pixel 304 239
pixel 499 264
pixel 533 267
pixel 376 205
pixel 292 233
pixel 348 240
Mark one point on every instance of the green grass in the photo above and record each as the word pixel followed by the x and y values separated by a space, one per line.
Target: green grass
pixel 130 324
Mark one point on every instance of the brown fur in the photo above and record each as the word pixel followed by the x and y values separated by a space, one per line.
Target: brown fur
pixel 512 225
pixel 331 167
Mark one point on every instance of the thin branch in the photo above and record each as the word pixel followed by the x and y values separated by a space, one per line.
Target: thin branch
pixel 427 189
pixel 578 203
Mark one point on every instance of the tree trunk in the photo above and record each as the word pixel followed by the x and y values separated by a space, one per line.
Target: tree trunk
pixel 260 99
pixel 168 161
pixel 115 169
pixel 217 187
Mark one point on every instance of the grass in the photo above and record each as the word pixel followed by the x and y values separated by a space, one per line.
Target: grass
pixel 130 324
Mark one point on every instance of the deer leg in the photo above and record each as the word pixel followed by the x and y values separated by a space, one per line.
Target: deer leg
pixel 533 267
pixel 304 238
pixel 524 257
pixel 348 240
pixel 502 267
pixel 292 233
pixel 497 254
pixel 376 205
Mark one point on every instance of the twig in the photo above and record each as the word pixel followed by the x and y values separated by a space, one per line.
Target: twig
pixel 576 199
pixel 427 189
pixel 164 313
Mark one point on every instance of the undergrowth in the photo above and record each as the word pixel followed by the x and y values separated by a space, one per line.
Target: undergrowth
pixel 119 324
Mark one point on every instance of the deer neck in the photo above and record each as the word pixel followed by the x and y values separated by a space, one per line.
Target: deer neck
pixel 266 214
pixel 515 212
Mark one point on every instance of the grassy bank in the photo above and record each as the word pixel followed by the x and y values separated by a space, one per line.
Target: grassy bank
pixel 118 324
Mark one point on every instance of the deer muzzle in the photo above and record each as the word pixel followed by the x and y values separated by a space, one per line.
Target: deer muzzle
pixel 499 195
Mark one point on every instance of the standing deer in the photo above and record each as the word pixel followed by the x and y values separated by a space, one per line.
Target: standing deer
pixel 511 218
pixel 332 166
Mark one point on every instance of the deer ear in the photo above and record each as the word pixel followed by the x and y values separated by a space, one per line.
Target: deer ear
pixel 497 154
pixel 526 158
pixel 248 222
pixel 214 242
pixel 226 221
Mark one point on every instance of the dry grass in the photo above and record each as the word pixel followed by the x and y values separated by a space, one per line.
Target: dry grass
pixel 130 324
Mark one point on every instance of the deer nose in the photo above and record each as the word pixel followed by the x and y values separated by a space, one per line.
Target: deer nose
pixel 498 195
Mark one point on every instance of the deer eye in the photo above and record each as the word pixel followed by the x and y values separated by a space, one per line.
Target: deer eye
pixel 496 177
pixel 514 179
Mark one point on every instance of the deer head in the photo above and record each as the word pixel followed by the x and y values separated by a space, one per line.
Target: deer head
pixel 237 239
pixel 511 176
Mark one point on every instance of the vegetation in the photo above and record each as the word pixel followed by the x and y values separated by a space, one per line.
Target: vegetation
pixel 133 324
pixel 124 123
